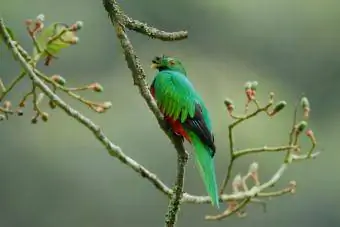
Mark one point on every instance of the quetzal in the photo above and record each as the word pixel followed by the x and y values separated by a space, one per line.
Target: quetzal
pixel 186 113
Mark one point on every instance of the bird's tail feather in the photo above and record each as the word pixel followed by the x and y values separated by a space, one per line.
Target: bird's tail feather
pixel 206 167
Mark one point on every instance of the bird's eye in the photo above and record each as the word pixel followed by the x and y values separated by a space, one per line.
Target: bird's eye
pixel 172 62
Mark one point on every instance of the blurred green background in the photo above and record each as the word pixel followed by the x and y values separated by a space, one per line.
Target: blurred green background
pixel 57 174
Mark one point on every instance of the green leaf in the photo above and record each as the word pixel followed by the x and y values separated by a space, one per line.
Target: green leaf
pixel 60 36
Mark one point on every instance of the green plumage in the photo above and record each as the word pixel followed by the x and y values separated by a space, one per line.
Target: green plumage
pixel 178 100
pixel 206 167
pixel 175 94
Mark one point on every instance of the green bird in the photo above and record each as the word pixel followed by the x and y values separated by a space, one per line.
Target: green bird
pixel 186 113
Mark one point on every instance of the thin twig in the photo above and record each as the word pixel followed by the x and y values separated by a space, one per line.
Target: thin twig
pixel 229 212
pixel 231 142
pixel 92 105
pixel 36 100
pixel 240 153
pixel 292 132
pixel 281 192
pixel 22 103
pixel 12 85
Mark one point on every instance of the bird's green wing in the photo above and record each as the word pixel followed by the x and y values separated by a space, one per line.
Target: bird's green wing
pixel 175 95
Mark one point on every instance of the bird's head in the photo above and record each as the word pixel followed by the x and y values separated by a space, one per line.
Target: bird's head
pixel 167 63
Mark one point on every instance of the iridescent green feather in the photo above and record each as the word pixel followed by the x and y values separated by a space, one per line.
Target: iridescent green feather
pixel 175 94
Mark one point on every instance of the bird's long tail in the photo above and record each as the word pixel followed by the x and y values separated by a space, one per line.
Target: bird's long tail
pixel 206 167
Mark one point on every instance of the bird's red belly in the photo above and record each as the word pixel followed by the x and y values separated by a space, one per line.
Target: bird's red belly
pixel 175 124
pixel 177 127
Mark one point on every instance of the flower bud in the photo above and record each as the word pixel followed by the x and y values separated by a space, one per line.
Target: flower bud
pixel 99 109
pixel 253 85
pixel 39 24
pixel 253 167
pixel 52 104
pixel 107 105
pixel 7 105
pixel 80 24
pixel 292 186
pixel 304 103
pixel 250 94
pixel 41 17
pixel 306 107
pixel 96 87
pixel 59 79
pixel 237 180
pixel 301 126
pixel 248 85
pixel 34 120
pixel 20 112
pixel 310 134
pixel 250 88
pixel 44 116
pixel 74 40
pixel 76 26
pixel 22 103
pixel 278 107
pixel 229 104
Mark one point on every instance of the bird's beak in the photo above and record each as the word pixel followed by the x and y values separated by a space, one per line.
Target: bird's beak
pixel 154 66
pixel 156 62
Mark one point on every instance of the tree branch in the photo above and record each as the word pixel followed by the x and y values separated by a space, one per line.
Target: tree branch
pixel 228 212
pixel 173 208
pixel 152 32
pixel 261 149
pixel 114 11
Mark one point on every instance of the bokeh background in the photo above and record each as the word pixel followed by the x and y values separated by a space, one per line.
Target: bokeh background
pixel 57 174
